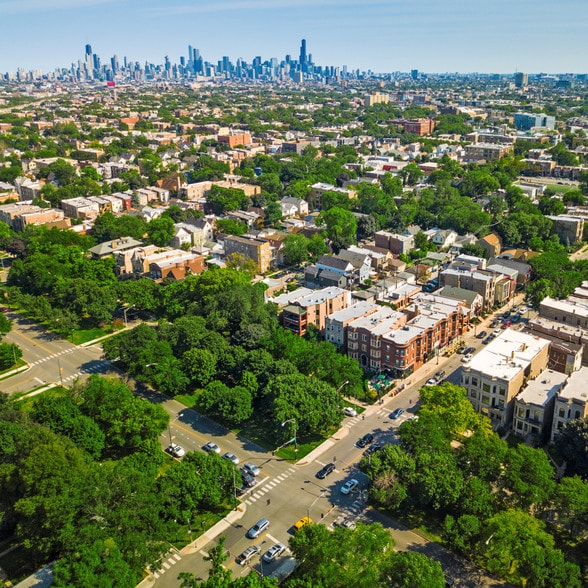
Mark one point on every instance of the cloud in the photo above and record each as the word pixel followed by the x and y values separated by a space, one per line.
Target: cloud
pixel 48 5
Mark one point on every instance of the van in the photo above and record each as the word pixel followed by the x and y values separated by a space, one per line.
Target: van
pixel 258 529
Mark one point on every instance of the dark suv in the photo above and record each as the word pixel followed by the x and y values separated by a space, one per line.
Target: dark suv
pixel 365 440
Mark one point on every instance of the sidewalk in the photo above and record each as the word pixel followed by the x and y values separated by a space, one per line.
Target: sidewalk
pixel 206 537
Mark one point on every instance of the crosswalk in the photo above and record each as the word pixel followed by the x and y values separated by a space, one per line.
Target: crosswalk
pixel 54 356
pixel 97 367
pixel 259 491
pixel 170 560
pixel 382 413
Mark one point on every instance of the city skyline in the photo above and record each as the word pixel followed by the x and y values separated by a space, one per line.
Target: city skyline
pixel 378 35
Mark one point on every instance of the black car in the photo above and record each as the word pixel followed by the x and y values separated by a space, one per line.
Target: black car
pixel 372 448
pixel 324 472
pixel 488 339
pixel 248 479
pixel 365 440
pixel 481 335
pixel 469 350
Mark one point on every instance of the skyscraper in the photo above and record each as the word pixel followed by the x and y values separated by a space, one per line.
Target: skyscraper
pixel 521 79
pixel 303 52
pixel 88 49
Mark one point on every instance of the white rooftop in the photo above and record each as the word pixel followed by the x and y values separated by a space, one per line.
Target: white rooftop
pixel 508 354
pixel 354 311
pixel 576 388
pixel 542 389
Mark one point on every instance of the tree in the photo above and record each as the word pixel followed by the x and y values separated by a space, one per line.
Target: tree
pixel 407 569
pixel 527 477
pixel 341 227
pixel 521 551
pixel 572 443
pixel 161 230
pixel 570 503
pixel 223 200
pixel 295 249
pixel 449 403
pixel 234 405
pixel 10 353
pixel 366 227
pixel 199 365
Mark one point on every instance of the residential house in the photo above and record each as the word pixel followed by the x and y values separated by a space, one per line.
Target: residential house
pixel 534 405
pixel 313 309
pixel 19 215
pixel 293 207
pixel 497 373
pixel 83 208
pixel 491 244
pixel 395 243
pixel 568 228
pixel 444 238
pixel 571 402
pixel 257 250
pixel 336 323
pixel 108 248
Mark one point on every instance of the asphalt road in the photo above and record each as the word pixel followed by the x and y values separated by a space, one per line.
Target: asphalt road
pixel 51 359
pixel 285 492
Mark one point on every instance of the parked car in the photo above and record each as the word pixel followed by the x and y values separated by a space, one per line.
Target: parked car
pixel 440 375
pixel 523 309
pixel 516 318
pixel 349 486
pixel 176 450
pixel 249 553
pixel 258 528
pixel 431 382
pixel 461 350
pixel 231 457
pixel 274 552
pixel 488 339
pixel 365 440
pixel 497 331
pixel 248 479
pixel 506 325
pixel 467 357
pixel 325 471
pixel 252 469
pixel 301 523
pixel 211 447
pixel 349 411
pixel 372 448
pixel 469 350
pixel 481 335
pixel 494 323
pixel 396 413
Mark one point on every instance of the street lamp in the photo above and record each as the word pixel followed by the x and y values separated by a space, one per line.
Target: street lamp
pixel 340 388
pixel 321 495
pixel 295 440
pixel 125 309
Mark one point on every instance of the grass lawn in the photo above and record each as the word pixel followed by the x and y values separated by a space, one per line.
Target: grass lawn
pixel 561 188
pixel 19 363
pixel 80 336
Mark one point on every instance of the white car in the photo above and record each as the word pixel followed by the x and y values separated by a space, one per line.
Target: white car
pixel 349 486
pixel 350 411
pixel 467 357
pixel 211 447
pixel 231 457
pixel 176 450
pixel 250 552
pixel 252 469
pixel 523 310
pixel 274 552
pixel 431 382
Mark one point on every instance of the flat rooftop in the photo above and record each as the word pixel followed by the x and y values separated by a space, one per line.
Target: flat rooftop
pixel 542 389
pixel 507 355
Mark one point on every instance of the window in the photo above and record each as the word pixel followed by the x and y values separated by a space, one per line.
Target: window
pixel 485 399
pixel 474 381
pixel 466 380
pixel 502 391
pixel 562 413
pixel 363 337
pixel 486 387
pixel 473 394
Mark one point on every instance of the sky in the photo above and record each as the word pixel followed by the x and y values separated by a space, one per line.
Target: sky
pixel 433 36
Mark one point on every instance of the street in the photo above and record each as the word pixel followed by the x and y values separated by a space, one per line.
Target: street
pixel 51 359
pixel 284 492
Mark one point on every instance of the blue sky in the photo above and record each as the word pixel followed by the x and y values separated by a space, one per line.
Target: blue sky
pixel 382 35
